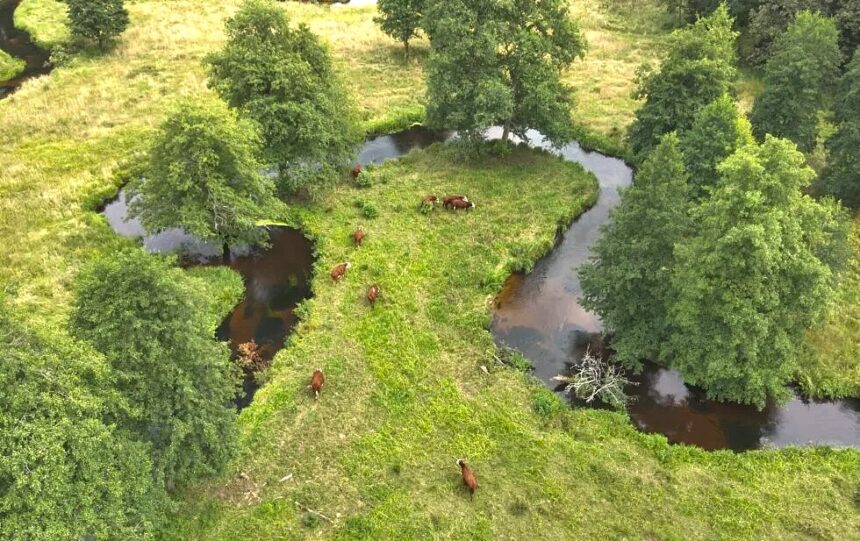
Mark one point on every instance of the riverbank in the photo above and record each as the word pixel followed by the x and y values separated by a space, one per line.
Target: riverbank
pixel 405 394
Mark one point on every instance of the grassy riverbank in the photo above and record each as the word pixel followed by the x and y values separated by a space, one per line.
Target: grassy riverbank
pixel 9 66
pixel 45 20
pixel 405 394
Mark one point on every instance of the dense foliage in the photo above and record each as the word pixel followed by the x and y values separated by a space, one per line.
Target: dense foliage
pixel 283 78
pixel 754 276
pixel 101 21
pixel 66 471
pixel 400 19
pixel 178 381
pixel 717 131
pixel 628 280
pixel 772 17
pixel 204 176
pixel 798 76
pixel 699 68
pixel 500 63
pixel 842 175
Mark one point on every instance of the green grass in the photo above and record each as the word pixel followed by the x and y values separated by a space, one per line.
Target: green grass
pixel 45 20
pixel 833 367
pixel 405 395
pixel 9 66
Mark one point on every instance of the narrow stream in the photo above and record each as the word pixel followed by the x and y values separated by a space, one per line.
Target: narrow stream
pixel 18 44
pixel 539 314
pixel 276 278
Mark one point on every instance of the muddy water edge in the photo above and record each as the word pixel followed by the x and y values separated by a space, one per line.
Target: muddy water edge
pixel 539 314
pixel 276 278
pixel 19 45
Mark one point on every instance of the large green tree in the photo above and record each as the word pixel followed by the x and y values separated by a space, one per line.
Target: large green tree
pixel 628 280
pixel 717 131
pixel 500 63
pixel 754 277
pixel 799 75
pixel 66 472
pixel 400 19
pixel 842 174
pixel 699 68
pixel 101 21
pixel 283 78
pixel 204 176
pixel 145 317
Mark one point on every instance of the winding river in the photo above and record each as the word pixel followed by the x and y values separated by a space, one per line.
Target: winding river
pixel 18 44
pixel 538 314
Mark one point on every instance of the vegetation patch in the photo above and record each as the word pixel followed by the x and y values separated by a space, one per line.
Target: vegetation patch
pixel 9 66
pixel 47 21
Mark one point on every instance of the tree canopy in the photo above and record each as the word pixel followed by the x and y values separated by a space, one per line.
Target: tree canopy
pixel 400 19
pixel 283 79
pixel 204 177
pixel 66 472
pixel 842 174
pixel 754 276
pixel 628 280
pixel 178 381
pixel 500 63
pixel 717 131
pixel 699 68
pixel 798 76
pixel 97 20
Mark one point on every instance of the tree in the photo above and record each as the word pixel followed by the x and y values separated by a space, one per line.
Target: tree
pixel 500 63
pixel 842 175
pixel 699 68
pixel 754 276
pixel 282 78
pixel 66 472
pixel 627 282
pixel 798 76
pixel 717 132
pixel 97 20
pixel 144 317
pixel 400 19
pixel 772 17
pixel 204 177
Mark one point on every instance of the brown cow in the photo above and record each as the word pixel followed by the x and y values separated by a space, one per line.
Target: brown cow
pixel 429 200
pixel 338 272
pixel 358 236
pixel 356 170
pixel 468 477
pixel 317 381
pixel 449 200
pixel 373 294
pixel 462 204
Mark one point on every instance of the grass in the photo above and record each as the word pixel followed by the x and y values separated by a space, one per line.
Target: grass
pixel 405 395
pixel 45 20
pixel 833 366
pixel 9 66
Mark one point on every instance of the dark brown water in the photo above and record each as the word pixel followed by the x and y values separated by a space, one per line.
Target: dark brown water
pixel 276 278
pixel 18 44
pixel 540 315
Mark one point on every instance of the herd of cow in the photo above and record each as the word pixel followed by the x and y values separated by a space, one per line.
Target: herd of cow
pixel 452 202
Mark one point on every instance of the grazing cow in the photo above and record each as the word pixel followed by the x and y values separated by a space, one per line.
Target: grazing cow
pixel 356 170
pixel 373 294
pixel 429 200
pixel 449 200
pixel 468 477
pixel 338 272
pixel 358 236
pixel 317 381
pixel 462 204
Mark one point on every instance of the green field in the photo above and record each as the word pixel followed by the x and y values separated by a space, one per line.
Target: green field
pixel 405 395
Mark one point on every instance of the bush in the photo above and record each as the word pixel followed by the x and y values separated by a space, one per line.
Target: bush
pixel 101 21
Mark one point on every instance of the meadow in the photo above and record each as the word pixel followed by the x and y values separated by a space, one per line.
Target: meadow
pixel 406 395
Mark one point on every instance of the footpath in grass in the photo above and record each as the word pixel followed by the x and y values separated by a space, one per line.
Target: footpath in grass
pixel 405 396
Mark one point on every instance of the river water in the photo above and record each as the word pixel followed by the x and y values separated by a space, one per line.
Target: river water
pixel 18 44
